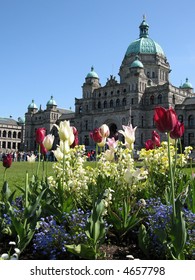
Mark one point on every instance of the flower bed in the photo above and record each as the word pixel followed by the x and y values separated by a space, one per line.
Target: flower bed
pixel 113 210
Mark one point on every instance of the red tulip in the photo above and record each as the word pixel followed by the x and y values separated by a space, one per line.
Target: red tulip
pixel 149 145
pixel 7 160
pixel 75 131
pixel 76 139
pixel 178 131
pixel 95 135
pixel 155 138
pixel 40 135
pixel 165 119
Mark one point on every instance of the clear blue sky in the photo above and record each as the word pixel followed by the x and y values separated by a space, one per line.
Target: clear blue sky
pixel 47 47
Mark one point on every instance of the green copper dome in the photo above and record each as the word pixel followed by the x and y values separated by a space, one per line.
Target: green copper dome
pixel 92 74
pixel 21 120
pixel 144 44
pixel 32 105
pixel 187 84
pixel 51 102
pixel 137 63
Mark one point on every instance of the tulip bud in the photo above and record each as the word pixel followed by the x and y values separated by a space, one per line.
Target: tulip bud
pixel 58 154
pixel 48 141
pixel 40 135
pixel 95 135
pixel 104 131
pixel 165 120
pixel 7 160
pixel 149 145
pixel 155 139
pixel 31 158
pixel 178 131
pixel 65 132
pixel 76 139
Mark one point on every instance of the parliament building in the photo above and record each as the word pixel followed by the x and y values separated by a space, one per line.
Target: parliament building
pixel 142 85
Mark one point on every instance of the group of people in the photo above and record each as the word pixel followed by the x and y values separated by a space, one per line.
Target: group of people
pixel 22 156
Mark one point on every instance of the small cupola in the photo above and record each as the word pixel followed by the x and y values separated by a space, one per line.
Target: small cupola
pixel 187 85
pixel 51 103
pixel 136 63
pixel 32 106
pixel 92 74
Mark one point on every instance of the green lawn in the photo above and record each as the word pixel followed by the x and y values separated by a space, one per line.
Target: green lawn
pixel 15 175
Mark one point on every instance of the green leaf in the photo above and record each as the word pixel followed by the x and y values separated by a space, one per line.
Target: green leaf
pixel 30 211
pixel 143 239
pixel 82 250
pixel 5 191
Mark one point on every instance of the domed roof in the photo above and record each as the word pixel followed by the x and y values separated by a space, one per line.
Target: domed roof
pixel 32 105
pixel 144 44
pixel 137 63
pixel 51 102
pixel 21 120
pixel 92 74
pixel 187 84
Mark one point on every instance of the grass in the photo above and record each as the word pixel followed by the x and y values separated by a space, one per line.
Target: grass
pixel 15 175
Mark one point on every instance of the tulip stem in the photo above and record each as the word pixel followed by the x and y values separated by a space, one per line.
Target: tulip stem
pixel 175 162
pixel 171 178
pixel 39 159
pixel 4 176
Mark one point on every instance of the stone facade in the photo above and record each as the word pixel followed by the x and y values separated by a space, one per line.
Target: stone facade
pixel 11 135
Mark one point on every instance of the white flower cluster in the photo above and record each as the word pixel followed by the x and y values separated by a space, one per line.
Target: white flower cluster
pixel 9 255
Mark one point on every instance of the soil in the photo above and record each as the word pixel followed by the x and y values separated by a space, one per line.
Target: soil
pixel 111 251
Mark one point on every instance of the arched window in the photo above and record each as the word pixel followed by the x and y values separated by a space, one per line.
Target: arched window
pixel 151 99
pixel 173 99
pixel 99 105
pixel 191 121
pixel 160 99
pixel 111 103
pixel 14 134
pixel 86 140
pixel 117 102
pixel 132 120
pixel 105 104
pixel 180 118
pixel 4 133
pixel 124 102
pixel 142 121
pixel 123 121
